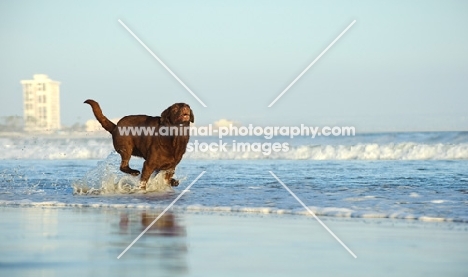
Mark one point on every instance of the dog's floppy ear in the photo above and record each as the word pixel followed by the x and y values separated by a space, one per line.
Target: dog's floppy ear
pixel 166 116
pixel 192 117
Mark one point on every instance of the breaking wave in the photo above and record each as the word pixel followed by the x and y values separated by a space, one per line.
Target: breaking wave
pixel 405 146
pixel 400 151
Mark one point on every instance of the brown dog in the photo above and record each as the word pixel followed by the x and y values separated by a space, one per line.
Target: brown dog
pixel 161 152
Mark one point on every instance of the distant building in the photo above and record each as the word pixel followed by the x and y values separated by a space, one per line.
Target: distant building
pixel 41 104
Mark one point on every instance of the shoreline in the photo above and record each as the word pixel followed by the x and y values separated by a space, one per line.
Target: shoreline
pixel 235 210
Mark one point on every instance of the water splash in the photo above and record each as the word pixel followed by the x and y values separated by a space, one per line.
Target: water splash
pixel 106 178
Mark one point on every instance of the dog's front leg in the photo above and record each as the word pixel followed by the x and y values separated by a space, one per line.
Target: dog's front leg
pixel 148 169
pixel 169 179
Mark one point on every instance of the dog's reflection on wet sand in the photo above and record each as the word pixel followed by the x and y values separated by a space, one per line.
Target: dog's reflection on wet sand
pixel 166 225
pixel 165 240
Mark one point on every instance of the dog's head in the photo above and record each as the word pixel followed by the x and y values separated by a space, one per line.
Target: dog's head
pixel 178 113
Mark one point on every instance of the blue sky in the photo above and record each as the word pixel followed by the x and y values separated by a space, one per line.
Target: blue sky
pixel 402 67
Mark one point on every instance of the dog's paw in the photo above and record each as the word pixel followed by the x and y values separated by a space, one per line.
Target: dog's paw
pixel 142 186
pixel 135 173
pixel 174 182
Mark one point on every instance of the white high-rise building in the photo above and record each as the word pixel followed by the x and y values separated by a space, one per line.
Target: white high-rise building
pixel 41 104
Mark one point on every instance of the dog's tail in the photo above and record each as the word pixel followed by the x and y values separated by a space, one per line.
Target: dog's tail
pixel 105 122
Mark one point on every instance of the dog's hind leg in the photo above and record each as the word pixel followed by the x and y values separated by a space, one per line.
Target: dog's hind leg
pixel 124 167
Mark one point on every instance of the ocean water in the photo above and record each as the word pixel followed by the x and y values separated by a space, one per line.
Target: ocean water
pixel 417 176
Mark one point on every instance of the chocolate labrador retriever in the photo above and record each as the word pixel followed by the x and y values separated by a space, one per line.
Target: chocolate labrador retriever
pixel 161 152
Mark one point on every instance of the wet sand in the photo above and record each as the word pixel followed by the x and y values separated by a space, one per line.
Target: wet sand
pixel 51 241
